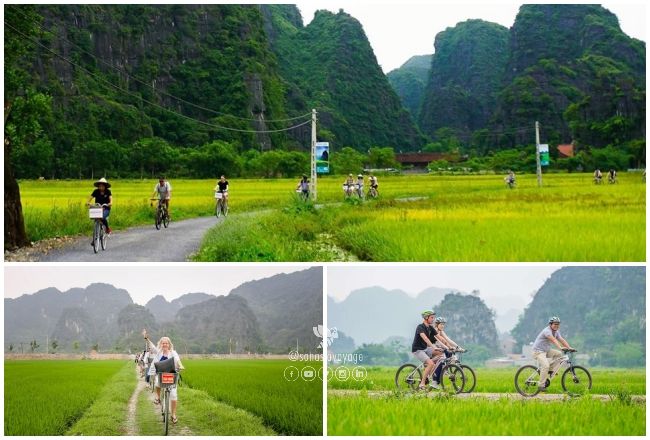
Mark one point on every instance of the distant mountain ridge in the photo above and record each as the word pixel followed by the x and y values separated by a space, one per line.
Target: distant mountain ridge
pixel 270 314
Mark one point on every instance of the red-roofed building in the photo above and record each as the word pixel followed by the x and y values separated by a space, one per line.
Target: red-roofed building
pixel 565 150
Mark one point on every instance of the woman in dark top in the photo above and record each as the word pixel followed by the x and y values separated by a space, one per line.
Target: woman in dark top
pixel 103 196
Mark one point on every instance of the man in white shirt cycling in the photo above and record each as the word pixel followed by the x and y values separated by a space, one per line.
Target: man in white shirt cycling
pixel 543 353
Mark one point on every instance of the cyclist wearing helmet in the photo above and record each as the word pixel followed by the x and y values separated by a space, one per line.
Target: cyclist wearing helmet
pixel 542 351
pixel 423 347
pixel 442 337
pixel 360 181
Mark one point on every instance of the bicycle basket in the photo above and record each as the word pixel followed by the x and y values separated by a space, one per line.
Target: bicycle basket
pixel 96 212
pixel 218 195
pixel 166 366
pixel 167 379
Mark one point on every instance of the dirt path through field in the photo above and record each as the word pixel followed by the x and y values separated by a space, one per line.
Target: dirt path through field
pixel 131 423
pixel 489 396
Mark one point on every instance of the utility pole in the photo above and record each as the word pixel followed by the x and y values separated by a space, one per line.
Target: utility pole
pixel 47 344
pixel 312 181
pixel 539 164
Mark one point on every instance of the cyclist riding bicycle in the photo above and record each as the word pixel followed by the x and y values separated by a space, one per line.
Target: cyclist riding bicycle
pixel 360 184
pixel 542 351
pixel 222 187
pixel 303 186
pixel 442 337
pixel 164 190
pixel 598 175
pixel 424 349
pixel 103 196
pixel 349 182
pixel 162 351
pixel 611 176
pixel 510 178
pixel 373 182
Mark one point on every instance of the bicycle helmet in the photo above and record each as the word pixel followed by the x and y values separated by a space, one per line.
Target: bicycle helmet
pixel 553 319
pixel 427 313
pixel 360 175
pixel 441 320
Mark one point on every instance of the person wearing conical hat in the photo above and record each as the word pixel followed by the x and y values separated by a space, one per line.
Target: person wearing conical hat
pixel 103 196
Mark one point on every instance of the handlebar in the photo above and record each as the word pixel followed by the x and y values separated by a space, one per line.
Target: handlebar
pixel 569 350
pixel 97 205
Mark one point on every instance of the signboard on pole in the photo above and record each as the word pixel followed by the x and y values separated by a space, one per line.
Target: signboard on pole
pixel 322 157
pixel 544 157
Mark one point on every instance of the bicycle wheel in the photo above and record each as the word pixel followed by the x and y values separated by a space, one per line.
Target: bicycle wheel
pixel 219 203
pixel 470 379
pixel 103 237
pixel 224 207
pixel 158 218
pixel 452 378
pixel 408 376
pixel 165 218
pixel 527 380
pixel 576 381
pixel 96 236
pixel 166 411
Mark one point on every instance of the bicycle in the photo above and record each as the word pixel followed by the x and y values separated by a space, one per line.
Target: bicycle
pixel 162 215
pixel 100 236
pixel 222 203
pixel 576 380
pixel 373 192
pixel 511 183
pixel 348 190
pixel 598 180
pixel 612 180
pixel 166 381
pixel 451 376
pixel 359 190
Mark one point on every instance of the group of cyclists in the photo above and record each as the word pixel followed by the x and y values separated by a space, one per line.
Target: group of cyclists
pixel 431 345
pixel 350 186
pixel 611 176
pixel 146 360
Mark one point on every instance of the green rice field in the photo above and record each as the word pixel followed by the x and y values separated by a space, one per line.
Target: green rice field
pixel 48 397
pixel 359 413
pixel 416 218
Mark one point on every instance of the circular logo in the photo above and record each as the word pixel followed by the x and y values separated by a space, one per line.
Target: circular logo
pixel 342 374
pixel 308 373
pixel 359 374
pixel 320 373
pixel 291 373
pixel 294 355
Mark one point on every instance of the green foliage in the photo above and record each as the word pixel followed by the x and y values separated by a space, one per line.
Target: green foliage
pixel 379 354
pixel 382 158
pixel 609 322
pixel 347 161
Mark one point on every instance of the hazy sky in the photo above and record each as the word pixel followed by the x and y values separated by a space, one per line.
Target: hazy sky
pixel 397 31
pixel 142 282
pixel 501 286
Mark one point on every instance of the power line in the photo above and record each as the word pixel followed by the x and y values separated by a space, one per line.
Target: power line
pixel 146 83
pixel 150 102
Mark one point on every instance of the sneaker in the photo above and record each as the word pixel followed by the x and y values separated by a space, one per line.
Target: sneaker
pixel 541 389
pixel 435 385
pixel 108 231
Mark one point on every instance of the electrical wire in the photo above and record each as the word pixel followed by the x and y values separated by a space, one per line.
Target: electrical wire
pixel 220 127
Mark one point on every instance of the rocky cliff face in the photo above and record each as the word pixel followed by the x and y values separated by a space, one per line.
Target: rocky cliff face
pixel 334 69
pixel 410 81
pixel 214 56
pixel 466 73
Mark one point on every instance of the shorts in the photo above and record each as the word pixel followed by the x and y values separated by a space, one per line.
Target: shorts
pixel 423 355
pixel 173 395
